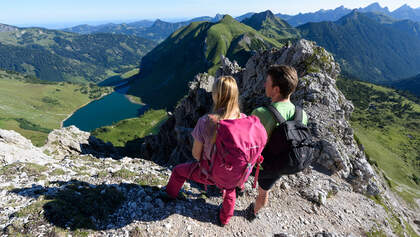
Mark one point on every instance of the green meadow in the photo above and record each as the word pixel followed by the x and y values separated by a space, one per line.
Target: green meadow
pixel 33 108
pixel 130 129
pixel 387 124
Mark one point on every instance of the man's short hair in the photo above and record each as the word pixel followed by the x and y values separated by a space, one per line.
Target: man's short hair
pixel 285 77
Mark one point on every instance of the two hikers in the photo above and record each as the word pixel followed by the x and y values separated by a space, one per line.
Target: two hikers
pixel 227 144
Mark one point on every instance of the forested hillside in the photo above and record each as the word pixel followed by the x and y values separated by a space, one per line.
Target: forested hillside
pixel 60 56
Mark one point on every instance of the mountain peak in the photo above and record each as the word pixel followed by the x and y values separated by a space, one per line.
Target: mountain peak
pixel 227 18
pixel 268 13
pixel 375 7
pixel 256 21
pixel 219 16
pixel 404 7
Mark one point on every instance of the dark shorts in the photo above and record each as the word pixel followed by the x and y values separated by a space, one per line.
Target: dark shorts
pixel 267 180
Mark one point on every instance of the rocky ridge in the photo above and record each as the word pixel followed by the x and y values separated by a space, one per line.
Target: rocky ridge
pixel 77 185
pixel 326 106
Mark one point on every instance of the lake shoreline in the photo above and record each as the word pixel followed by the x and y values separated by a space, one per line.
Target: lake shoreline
pixel 74 111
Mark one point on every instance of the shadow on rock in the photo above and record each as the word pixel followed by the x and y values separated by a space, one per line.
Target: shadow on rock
pixel 76 205
pixel 100 149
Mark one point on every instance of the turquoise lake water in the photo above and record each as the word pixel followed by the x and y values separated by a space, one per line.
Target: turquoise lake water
pixel 106 111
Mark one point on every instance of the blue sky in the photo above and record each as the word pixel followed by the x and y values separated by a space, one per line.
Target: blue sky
pixel 44 12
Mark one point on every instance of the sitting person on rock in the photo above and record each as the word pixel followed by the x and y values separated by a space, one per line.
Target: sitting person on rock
pixel 212 133
pixel 281 82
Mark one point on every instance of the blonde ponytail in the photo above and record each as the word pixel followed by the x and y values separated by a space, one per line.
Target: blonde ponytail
pixel 226 98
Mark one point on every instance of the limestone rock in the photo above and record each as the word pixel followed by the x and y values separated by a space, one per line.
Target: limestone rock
pixel 15 148
pixel 72 141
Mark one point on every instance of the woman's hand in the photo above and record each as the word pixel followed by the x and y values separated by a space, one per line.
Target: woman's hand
pixel 197 150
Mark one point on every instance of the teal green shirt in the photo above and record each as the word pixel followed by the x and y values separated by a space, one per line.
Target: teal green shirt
pixel 286 109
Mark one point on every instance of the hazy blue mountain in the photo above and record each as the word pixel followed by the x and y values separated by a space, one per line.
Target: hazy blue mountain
pixel 284 16
pixel 319 16
pixel 375 7
pixel 369 48
pixel 406 12
pixel 142 23
pixel 244 16
pixel 157 30
pixel 196 48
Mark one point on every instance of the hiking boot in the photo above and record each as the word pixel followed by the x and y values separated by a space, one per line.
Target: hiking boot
pixel 249 213
pixel 168 198
pixel 218 221
pixel 239 192
pixel 165 196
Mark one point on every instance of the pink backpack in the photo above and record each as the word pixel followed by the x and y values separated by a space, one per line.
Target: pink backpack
pixel 238 147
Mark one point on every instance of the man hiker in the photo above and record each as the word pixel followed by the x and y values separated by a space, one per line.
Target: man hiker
pixel 280 84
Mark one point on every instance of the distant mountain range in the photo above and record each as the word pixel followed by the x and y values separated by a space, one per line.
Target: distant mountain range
pixel 61 56
pixel 167 69
pixel 405 12
pixel 371 43
pixel 157 30
pixel 370 46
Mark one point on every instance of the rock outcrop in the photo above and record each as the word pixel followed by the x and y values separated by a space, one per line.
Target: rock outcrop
pixel 80 186
pixel 15 148
pixel 71 140
pixel 326 106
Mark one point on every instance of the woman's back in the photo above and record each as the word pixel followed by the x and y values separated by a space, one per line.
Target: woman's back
pixel 204 132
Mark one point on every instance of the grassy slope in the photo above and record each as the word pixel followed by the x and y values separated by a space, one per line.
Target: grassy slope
pixel 131 129
pixel 388 126
pixel 33 109
pixel 168 68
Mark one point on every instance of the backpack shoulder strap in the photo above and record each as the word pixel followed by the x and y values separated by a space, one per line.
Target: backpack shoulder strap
pixel 276 114
pixel 298 114
pixel 212 126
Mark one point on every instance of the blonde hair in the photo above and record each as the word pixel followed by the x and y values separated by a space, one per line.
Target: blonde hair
pixel 225 95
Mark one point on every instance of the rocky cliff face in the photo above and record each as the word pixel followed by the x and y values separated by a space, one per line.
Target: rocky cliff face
pixel 77 185
pixel 327 108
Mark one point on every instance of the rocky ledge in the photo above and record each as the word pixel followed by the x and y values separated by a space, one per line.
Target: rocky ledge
pixel 80 186
pixel 75 193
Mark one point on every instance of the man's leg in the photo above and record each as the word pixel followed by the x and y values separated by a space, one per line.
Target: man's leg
pixel 265 183
pixel 262 199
